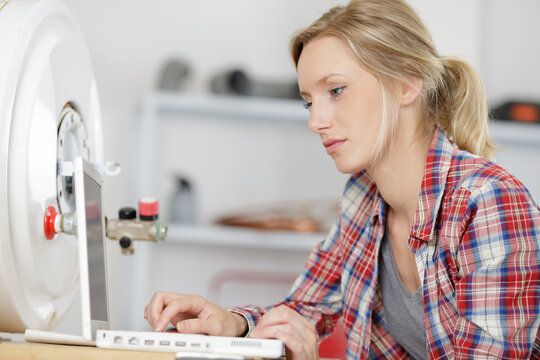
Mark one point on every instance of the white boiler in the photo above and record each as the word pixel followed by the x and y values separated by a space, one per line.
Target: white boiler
pixel 49 114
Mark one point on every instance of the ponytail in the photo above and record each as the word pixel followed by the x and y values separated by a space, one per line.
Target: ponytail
pixel 459 107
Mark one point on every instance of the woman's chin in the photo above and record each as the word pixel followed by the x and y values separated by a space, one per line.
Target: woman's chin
pixel 348 168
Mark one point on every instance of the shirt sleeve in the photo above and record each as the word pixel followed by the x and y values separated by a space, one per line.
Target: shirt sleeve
pixel 316 293
pixel 498 290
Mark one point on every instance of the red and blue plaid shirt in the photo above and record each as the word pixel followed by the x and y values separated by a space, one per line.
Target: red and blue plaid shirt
pixel 476 241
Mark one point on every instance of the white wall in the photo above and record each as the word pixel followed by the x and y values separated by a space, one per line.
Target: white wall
pixel 454 26
pixel 511 49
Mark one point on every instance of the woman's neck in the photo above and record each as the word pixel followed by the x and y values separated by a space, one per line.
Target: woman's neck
pixel 399 173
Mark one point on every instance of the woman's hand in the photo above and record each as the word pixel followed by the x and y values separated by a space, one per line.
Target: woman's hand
pixel 192 314
pixel 297 333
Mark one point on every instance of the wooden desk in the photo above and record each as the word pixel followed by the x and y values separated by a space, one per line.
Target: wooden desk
pixel 23 350
pixel 37 351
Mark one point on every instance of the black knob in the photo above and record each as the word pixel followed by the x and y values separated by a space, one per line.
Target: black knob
pixel 127 213
pixel 125 242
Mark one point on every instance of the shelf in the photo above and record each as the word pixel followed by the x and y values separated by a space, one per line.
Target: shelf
pixel 514 132
pixel 226 107
pixel 210 235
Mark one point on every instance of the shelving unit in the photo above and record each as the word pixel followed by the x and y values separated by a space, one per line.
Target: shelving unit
pixel 223 236
pixel 503 131
pixel 218 108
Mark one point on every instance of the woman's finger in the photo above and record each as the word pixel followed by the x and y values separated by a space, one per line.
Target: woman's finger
pixel 146 314
pixel 282 315
pixel 188 306
pixel 298 345
pixel 157 305
pixel 296 332
pixel 200 326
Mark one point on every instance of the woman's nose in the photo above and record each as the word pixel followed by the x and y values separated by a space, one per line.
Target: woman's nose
pixel 318 120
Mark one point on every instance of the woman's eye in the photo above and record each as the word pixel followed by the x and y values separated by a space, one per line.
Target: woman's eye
pixel 337 91
pixel 307 105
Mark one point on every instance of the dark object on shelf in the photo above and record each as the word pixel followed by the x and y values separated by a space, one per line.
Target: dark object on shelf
pixel 237 82
pixel 174 74
pixel 230 82
pixel 525 112
pixel 182 203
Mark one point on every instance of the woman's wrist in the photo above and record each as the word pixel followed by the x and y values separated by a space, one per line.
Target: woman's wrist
pixel 241 324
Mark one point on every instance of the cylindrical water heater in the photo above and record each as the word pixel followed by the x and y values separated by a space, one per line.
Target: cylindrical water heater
pixel 49 114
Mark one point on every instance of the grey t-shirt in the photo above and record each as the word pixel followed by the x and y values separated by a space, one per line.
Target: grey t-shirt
pixel 403 311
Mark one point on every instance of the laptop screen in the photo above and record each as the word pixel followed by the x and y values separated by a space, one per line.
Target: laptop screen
pixel 96 252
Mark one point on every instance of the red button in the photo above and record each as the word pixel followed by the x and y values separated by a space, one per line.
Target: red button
pixel 148 206
pixel 48 222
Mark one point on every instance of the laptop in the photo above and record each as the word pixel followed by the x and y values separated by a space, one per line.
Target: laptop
pixel 90 232
pixel 94 300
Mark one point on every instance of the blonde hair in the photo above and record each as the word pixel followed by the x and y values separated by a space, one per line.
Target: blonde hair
pixel 389 39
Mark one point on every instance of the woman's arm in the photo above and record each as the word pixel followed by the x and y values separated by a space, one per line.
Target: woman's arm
pixel 498 295
pixel 316 293
pixel 312 307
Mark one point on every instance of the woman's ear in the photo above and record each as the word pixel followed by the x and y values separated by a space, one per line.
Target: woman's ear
pixel 410 89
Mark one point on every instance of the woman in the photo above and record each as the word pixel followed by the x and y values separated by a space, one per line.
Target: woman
pixel 435 253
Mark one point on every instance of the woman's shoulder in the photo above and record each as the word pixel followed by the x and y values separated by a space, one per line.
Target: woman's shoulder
pixel 481 177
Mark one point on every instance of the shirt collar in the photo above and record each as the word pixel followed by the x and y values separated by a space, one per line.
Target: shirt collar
pixel 376 206
pixel 438 163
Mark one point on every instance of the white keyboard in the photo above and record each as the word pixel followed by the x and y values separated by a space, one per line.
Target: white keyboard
pixel 175 342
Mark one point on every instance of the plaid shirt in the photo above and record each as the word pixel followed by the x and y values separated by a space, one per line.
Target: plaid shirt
pixel 476 240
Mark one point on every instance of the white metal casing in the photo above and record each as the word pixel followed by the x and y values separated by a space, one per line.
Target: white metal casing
pixel 44 65
pixel 92 248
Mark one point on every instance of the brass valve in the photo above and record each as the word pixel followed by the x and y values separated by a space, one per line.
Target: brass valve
pixel 128 228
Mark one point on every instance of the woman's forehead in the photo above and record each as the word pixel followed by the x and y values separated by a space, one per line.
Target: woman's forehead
pixel 326 55
pixel 325 51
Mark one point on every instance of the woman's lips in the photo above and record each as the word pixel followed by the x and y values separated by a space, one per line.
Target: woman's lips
pixel 332 145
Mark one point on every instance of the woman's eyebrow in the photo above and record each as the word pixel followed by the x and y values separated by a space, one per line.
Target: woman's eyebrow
pixel 304 94
pixel 322 80
pixel 326 77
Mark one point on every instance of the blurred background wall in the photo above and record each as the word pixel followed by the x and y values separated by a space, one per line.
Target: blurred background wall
pixel 129 41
